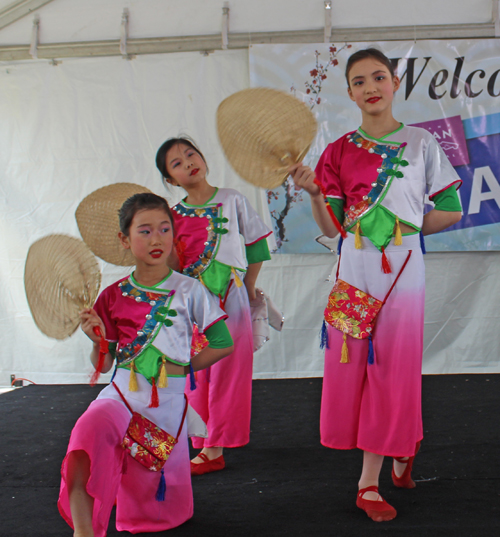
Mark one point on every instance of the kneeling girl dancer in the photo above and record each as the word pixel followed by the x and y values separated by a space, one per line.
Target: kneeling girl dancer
pixel 147 318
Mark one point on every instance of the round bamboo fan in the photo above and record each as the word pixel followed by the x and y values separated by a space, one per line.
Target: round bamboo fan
pixel 61 277
pixel 263 132
pixel 97 219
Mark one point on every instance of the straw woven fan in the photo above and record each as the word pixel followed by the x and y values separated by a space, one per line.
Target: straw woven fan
pixel 263 132
pixel 61 277
pixel 97 219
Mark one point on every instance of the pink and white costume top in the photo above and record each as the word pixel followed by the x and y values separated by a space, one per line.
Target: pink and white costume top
pixel 208 237
pixel 137 317
pixel 381 179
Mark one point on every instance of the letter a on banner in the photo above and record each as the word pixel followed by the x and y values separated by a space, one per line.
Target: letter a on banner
pixel 476 195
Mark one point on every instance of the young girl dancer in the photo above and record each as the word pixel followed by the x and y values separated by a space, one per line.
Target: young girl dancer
pixel 374 180
pixel 208 225
pixel 148 320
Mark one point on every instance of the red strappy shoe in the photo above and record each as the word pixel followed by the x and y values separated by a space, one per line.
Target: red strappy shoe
pixel 207 465
pixel 405 481
pixel 379 511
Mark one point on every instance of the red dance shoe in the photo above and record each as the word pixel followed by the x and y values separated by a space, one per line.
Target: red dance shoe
pixel 380 511
pixel 405 481
pixel 207 465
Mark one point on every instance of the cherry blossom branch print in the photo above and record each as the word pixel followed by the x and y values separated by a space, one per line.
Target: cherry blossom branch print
pixel 292 196
pixel 319 75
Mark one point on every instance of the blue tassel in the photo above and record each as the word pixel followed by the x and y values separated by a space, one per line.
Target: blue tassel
pixel 324 337
pixel 191 378
pixel 162 487
pixel 422 243
pixel 339 245
pixel 371 352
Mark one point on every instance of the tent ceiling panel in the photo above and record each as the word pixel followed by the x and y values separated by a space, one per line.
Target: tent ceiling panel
pixel 209 43
pixel 19 9
pixel 65 21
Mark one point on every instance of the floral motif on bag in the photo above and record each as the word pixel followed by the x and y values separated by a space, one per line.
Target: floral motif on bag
pixel 147 443
pixel 351 310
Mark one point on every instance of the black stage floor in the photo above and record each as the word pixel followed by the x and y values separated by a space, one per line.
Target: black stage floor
pixel 284 483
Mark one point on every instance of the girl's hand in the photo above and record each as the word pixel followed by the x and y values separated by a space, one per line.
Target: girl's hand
pixel 303 177
pixel 89 320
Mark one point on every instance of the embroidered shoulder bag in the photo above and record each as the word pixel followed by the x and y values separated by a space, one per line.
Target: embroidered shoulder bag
pixel 149 444
pixel 354 313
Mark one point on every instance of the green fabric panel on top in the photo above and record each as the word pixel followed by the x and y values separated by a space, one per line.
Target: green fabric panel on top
pixel 258 251
pixel 447 200
pixel 148 363
pixel 216 278
pixel 218 335
pixel 337 206
pixel 378 226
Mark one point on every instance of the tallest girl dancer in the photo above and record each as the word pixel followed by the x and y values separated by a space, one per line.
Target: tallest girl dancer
pixel 375 180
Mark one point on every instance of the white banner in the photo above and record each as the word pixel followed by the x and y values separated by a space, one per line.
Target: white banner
pixel 451 88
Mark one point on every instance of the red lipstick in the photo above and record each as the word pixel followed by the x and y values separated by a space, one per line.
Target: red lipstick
pixel 156 254
pixel 194 171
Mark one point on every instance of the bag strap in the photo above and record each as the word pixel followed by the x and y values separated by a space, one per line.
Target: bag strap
pixel 183 418
pixel 397 277
pixel 131 411
pixel 123 398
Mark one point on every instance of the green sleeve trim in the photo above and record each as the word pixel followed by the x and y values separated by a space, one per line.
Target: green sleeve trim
pixel 258 251
pixel 447 200
pixel 218 335
pixel 112 348
pixel 337 206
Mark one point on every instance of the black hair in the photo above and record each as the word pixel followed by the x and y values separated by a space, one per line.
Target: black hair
pixel 161 154
pixel 374 53
pixel 141 202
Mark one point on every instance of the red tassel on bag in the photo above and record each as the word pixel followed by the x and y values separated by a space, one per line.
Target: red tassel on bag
pixel 155 400
pixel 386 266
pixel 103 350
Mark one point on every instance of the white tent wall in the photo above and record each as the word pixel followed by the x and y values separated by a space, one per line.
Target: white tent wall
pixel 70 128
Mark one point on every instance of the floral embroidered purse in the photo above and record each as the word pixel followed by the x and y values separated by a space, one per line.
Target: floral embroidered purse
pixel 149 444
pixel 354 313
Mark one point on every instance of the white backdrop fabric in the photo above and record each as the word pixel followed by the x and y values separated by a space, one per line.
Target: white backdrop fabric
pixel 69 129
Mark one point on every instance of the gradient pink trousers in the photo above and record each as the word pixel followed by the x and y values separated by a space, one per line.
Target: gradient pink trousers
pixel 377 408
pixel 223 394
pixel 116 476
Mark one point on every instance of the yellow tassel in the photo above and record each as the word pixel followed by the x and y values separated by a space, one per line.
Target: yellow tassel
pixel 132 382
pixel 163 380
pixel 398 237
pixel 237 280
pixel 345 354
pixel 357 237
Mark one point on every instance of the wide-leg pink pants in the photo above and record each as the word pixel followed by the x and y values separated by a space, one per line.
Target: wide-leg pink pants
pixel 223 394
pixel 116 476
pixel 377 407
